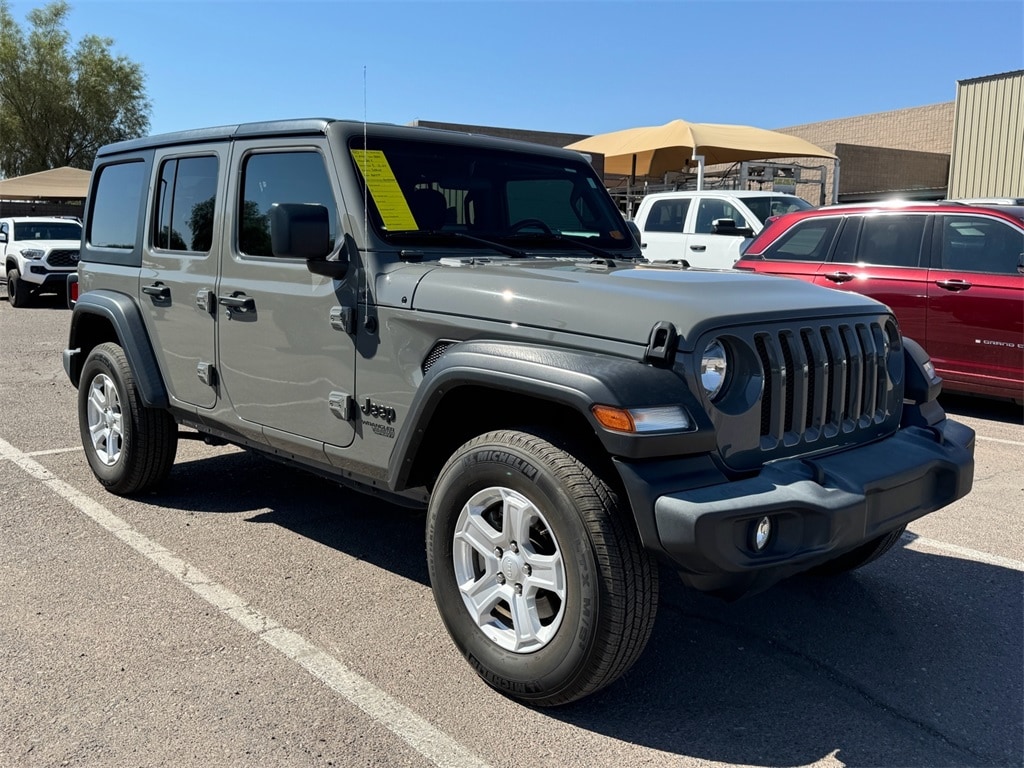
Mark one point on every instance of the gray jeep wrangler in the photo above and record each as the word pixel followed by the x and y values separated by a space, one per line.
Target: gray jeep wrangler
pixel 467 324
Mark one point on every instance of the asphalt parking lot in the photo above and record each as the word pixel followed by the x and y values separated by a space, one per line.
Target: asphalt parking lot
pixel 250 614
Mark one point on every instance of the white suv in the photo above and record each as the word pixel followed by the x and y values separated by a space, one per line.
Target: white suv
pixel 707 228
pixel 38 254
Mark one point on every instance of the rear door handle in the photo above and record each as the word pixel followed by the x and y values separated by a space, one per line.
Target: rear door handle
pixel 238 302
pixel 839 277
pixel 953 285
pixel 698 248
pixel 157 291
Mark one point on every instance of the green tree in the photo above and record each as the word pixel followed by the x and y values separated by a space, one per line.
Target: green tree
pixel 58 106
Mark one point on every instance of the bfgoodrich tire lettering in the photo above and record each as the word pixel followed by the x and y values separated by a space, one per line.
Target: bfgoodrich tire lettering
pixel 573 604
pixel 130 447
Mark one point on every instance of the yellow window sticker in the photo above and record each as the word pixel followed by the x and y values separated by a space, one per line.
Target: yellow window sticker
pixel 381 181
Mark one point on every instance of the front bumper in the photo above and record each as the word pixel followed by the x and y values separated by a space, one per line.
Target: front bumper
pixel 42 276
pixel 820 507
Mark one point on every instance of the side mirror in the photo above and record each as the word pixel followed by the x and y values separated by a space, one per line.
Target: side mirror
pixel 3 237
pixel 303 230
pixel 728 227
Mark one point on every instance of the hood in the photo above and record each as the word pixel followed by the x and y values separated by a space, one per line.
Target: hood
pixel 44 245
pixel 623 303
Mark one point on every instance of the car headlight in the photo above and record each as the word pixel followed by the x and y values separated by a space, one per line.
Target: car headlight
pixel 32 254
pixel 714 364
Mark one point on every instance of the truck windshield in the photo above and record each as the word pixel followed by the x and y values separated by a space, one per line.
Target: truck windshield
pixel 418 191
pixel 47 230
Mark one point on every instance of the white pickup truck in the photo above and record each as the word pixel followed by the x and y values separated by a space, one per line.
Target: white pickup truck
pixel 706 228
pixel 38 255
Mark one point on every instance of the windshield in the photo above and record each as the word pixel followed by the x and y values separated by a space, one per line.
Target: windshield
pixel 775 205
pixel 47 230
pixel 462 195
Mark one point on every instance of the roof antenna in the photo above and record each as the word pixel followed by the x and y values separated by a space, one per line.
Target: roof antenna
pixel 366 202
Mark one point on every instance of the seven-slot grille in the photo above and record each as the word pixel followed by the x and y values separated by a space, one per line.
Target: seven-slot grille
pixel 824 380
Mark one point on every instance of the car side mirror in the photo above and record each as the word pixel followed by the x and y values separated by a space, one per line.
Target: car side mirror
pixel 728 227
pixel 303 230
pixel 3 237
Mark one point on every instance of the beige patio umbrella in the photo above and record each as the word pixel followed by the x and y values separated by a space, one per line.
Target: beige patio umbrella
pixel 58 183
pixel 659 149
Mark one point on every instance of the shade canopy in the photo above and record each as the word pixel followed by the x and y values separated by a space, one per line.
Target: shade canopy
pixel 56 184
pixel 660 149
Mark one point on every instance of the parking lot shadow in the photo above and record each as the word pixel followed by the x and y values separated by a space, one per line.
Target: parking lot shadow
pixel 914 660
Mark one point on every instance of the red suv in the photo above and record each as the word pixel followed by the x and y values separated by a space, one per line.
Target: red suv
pixel 953 274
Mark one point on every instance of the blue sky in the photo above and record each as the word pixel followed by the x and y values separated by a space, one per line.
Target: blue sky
pixel 575 67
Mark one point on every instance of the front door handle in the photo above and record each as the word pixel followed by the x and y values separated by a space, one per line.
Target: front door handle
pixel 698 248
pixel 238 302
pixel 953 285
pixel 839 277
pixel 157 291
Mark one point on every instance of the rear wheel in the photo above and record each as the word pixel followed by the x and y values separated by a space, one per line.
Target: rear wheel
pixel 129 446
pixel 18 291
pixel 541 582
pixel 861 556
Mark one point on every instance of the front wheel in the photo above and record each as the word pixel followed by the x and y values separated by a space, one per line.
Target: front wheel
pixel 130 447
pixel 541 582
pixel 18 291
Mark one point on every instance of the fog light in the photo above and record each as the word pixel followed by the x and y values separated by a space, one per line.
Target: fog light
pixel 762 533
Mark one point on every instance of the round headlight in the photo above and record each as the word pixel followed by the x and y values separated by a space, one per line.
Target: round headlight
pixel 713 367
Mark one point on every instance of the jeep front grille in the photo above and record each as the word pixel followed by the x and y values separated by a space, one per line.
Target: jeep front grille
pixel 831 378
pixel 823 384
pixel 63 258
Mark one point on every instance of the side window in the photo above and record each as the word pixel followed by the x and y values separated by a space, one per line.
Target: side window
pixel 710 209
pixel 978 244
pixel 667 216
pixel 808 240
pixel 183 219
pixel 280 177
pixel 115 209
pixel 891 240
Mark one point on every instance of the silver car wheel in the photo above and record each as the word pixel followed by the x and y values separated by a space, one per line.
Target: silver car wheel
pixel 105 420
pixel 508 566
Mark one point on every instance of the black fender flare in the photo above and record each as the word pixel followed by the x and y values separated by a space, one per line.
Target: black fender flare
pixel 124 315
pixel 576 379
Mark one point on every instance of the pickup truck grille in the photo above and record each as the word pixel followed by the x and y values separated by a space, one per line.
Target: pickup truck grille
pixel 824 384
pixel 61 257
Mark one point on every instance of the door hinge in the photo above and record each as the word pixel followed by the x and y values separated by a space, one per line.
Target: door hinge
pixel 340 404
pixel 207 373
pixel 204 300
pixel 342 319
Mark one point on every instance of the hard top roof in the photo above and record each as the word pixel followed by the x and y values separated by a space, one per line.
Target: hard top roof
pixel 322 126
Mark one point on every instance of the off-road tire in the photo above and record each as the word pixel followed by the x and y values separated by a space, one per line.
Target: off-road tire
pixel 19 293
pixel 610 591
pixel 131 447
pixel 861 556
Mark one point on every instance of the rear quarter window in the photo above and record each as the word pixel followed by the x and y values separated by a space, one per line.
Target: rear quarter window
pixel 807 240
pixel 114 219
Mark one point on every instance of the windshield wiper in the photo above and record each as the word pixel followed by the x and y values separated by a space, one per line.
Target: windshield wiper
pixel 560 238
pixel 441 234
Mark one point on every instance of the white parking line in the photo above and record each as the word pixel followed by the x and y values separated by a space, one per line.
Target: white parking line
pixel 430 742
pixel 999 440
pixel 920 542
